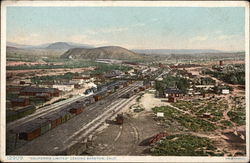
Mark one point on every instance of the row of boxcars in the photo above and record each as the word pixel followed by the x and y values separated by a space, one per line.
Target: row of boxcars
pixel 41 125
pixel 136 90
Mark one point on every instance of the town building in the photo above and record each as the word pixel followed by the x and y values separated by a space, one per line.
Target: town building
pixel 174 92
pixel 43 96
pixel 225 91
pixel 33 91
pixel 160 114
pixel 204 87
pixel 221 63
pixel 20 102
pixel 172 99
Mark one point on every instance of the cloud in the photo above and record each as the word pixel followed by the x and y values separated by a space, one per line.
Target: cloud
pixel 107 30
pixel 87 40
pixel 225 37
pixel 25 38
pixel 199 38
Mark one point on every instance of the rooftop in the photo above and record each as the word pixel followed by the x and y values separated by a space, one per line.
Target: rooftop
pixel 38 90
pixel 173 91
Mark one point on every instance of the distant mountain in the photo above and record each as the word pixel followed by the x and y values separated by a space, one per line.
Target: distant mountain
pixel 52 46
pixel 12 44
pixel 66 46
pixel 12 48
pixel 175 51
pixel 107 52
pixel 14 52
pixel 59 45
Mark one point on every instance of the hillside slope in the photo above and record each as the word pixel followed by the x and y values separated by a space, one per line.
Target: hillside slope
pixel 108 52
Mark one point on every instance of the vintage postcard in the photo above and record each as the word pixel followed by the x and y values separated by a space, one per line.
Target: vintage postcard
pixel 124 81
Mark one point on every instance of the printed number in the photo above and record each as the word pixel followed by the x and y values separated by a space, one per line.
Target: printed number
pixel 14 157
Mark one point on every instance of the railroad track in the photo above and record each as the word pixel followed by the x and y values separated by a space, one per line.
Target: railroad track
pixel 51 109
pixel 112 102
pixel 96 123
pixel 41 112
pixel 75 134
pixel 136 137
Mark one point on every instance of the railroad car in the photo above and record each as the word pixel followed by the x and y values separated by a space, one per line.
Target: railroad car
pixel 124 84
pixel 64 115
pixel 100 95
pixel 102 88
pixel 117 87
pixel 28 131
pixel 44 124
pixel 128 94
pixel 55 120
pixel 119 119
pixel 88 101
pixel 111 90
pixel 142 88
pixel 136 90
pixel 92 100
pixel 76 108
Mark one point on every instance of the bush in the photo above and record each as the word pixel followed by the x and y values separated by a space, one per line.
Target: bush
pixel 226 123
pixel 185 145
pixel 171 81
pixel 192 123
pixel 237 117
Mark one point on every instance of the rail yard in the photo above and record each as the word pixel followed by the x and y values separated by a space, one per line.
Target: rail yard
pixel 91 118
pixel 134 112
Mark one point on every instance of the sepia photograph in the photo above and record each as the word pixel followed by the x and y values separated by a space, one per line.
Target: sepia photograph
pixel 117 81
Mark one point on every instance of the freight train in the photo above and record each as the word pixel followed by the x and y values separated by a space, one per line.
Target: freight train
pixel 43 124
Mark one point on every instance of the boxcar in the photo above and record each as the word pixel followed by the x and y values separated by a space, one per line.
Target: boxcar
pixel 63 116
pixel 76 108
pixel 142 88
pixel 128 94
pixel 125 84
pixel 45 125
pixel 111 90
pixel 136 90
pixel 28 131
pixel 89 100
pixel 55 119
pixel 100 95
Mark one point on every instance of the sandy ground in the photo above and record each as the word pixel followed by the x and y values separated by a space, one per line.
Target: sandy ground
pixel 126 139
pixel 148 101
pixel 17 63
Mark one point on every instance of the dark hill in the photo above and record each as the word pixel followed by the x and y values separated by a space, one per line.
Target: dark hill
pixel 60 45
pixel 108 52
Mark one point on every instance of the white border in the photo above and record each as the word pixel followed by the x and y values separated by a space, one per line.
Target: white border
pixel 130 3
pixel 121 4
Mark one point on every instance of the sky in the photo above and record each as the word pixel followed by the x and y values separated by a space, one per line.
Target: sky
pixel 220 28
